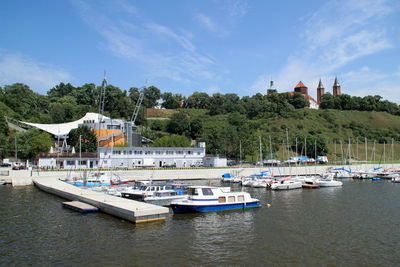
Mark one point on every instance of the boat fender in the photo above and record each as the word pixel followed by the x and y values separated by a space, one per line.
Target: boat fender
pixel 268 205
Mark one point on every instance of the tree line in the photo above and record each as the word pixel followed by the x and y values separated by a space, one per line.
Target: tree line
pixel 221 120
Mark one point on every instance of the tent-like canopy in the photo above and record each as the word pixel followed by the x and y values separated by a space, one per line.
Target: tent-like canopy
pixel 62 129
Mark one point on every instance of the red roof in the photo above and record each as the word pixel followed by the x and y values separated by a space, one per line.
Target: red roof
pixel 300 84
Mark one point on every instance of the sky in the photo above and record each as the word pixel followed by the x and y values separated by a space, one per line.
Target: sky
pixel 212 46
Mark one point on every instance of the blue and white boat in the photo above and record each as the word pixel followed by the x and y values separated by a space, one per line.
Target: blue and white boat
pixel 207 198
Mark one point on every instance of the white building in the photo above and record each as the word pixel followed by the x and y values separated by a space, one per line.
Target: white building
pixel 131 157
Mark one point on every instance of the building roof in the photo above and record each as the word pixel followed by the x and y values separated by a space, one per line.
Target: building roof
pixel 62 129
pixel 336 82
pixel 320 85
pixel 300 84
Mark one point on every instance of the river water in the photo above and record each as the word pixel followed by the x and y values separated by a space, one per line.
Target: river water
pixel 357 224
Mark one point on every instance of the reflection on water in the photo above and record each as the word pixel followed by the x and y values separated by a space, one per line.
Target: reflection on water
pixel 356 224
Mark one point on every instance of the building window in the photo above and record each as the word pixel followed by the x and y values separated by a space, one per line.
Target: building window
pixel 130 152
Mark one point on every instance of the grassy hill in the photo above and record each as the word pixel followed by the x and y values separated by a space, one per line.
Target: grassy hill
pixel 222 133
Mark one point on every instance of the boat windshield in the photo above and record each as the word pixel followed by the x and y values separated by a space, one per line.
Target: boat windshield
pixel 207 192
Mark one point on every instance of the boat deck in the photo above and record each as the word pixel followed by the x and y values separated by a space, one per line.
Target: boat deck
pixel 127 209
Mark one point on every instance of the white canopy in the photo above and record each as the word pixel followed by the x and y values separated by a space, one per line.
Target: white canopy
pixel 62 129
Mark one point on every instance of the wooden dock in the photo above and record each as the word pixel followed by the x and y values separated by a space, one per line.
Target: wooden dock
pixel 79 206
pixel 134 211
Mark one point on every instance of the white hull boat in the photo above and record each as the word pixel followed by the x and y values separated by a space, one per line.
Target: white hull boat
pixel 286 185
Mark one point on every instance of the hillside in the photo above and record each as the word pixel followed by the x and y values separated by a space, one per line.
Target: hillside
pixel 223 133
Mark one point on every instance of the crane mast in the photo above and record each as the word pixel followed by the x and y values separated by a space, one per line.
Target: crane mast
pixel 137 107
pixel 131 126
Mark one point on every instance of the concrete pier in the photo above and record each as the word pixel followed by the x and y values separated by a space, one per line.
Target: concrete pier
pixel 24 177
pixel 134 211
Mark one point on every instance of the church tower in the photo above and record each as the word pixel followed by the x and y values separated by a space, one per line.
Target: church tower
pixel 301 88
pixel 271 90
pixel 336 88
pixel 320 92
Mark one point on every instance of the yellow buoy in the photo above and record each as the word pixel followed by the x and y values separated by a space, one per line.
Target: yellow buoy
pixel 268 205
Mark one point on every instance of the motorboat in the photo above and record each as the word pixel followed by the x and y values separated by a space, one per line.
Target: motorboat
pixel 229 178
pixel 164 197
pixel 286 184
pixel 98 179
pixel 149 190
pixel 143 191
pixel 327 180
pixel 207 198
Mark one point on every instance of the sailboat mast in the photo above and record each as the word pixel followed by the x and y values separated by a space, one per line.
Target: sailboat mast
pixel 392 155
pixel 335 151
pixel 384 154
pixel 240 152
pixel 261 163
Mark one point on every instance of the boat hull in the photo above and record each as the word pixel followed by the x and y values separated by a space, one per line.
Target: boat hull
pixel 185 208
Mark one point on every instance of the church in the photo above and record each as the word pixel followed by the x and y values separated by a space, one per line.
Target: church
pixel 302 89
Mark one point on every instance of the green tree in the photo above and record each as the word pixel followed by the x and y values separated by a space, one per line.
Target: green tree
pixel 172 141
pixel 32 142
pixel 151 95
pixel 179 124
pixel 198 100
pixel 57 113
pixel 88 139
pixel 61 90
pixel 171 101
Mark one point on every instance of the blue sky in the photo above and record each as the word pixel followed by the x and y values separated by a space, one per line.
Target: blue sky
pixel 225 46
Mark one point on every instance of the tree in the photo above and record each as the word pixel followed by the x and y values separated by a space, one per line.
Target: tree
pixel 86 94
pixel 196 127
pixel 60 90
pixel 32 142
pixel 179 124
pixel 198 100
pixel 171 101
pixel 151 95
pixel 88 139
pixel 172 141
pixel 57 113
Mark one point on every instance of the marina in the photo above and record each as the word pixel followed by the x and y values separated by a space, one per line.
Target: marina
pixel 342 224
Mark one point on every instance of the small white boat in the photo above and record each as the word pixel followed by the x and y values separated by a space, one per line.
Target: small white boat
pixel 206 198
pixel 327 181
pixel 396 179
pixel 286 184
pixel 230 178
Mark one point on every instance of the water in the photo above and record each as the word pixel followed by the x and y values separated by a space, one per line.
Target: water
pixel 357 224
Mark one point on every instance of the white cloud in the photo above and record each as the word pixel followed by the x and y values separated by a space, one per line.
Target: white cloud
pixel 235 8
pixel 210 24
pixel 181 40
pixel 134 40
pixel 18 68
pixel 335 35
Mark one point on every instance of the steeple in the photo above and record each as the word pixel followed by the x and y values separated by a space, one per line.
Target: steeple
pixel 336 88
pixel 271 88
pixel 320 92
